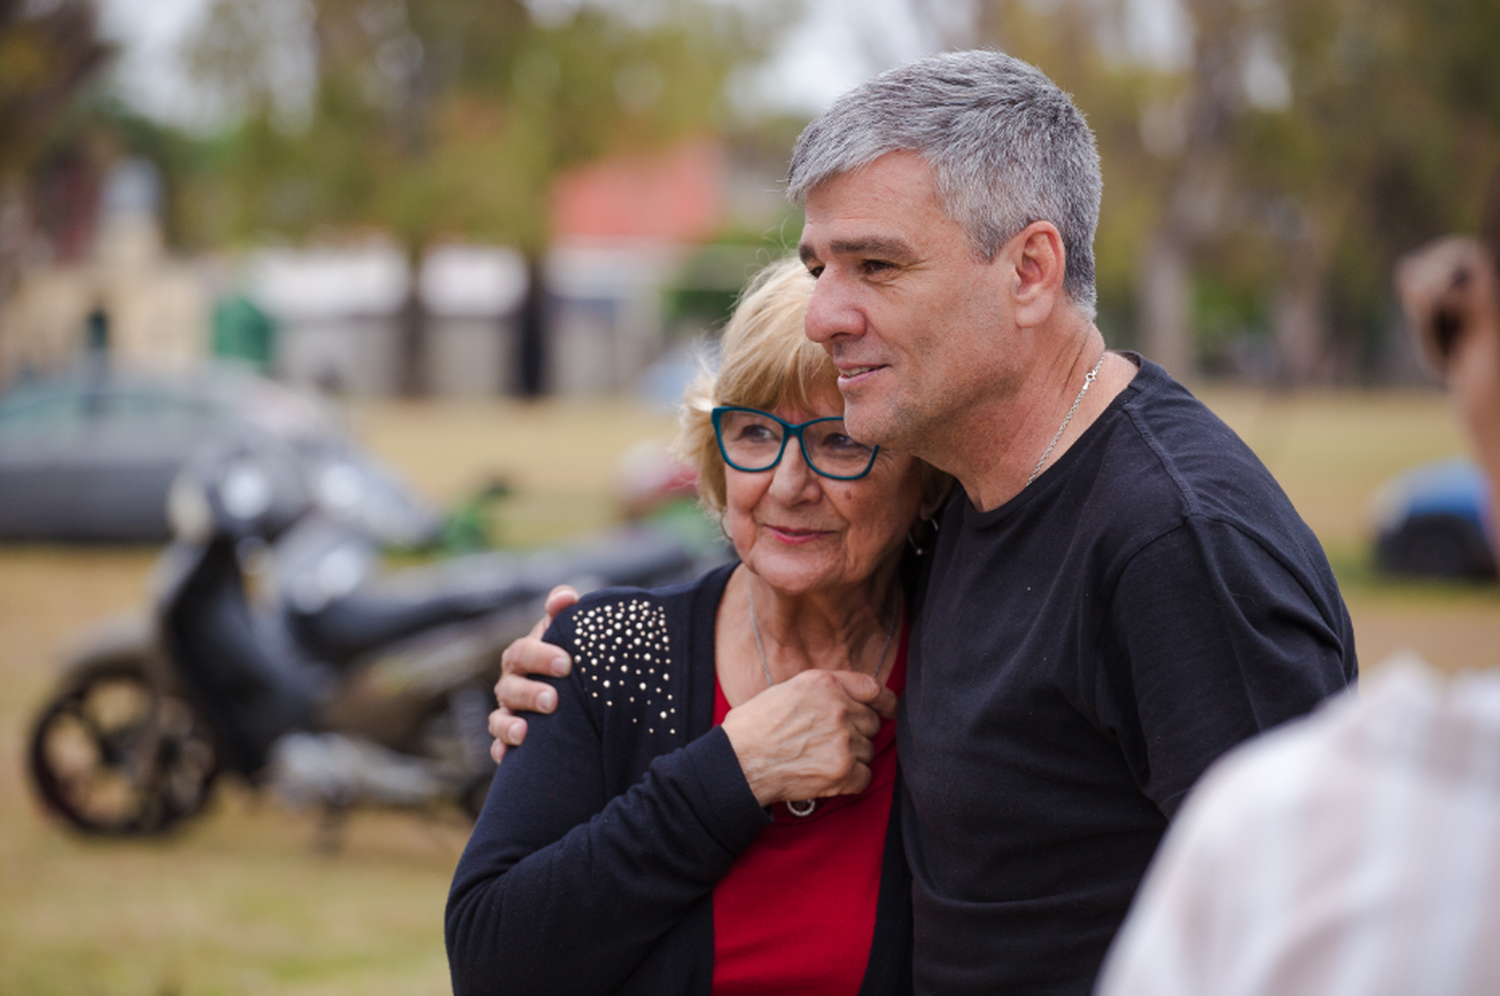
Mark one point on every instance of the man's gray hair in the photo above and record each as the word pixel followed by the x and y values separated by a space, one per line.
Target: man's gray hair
pixel 1005 145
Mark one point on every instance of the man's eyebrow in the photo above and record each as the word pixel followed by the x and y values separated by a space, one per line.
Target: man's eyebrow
pixel 886 248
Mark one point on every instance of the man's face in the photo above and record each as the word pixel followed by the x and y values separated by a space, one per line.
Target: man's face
pixel 914 321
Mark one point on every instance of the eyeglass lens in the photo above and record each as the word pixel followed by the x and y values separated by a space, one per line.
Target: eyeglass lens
pixel 753 442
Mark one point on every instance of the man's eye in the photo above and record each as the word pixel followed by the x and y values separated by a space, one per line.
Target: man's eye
pixel 816 271
pixel 875 265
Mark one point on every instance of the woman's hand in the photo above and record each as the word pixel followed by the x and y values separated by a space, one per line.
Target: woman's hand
pixel 811 736
pixel 517 693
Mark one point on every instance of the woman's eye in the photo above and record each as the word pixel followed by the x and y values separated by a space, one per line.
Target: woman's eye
pixel 839 441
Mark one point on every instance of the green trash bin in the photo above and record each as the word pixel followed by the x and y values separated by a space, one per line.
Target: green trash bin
pixel 244 333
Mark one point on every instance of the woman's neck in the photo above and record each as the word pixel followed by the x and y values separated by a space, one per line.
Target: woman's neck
pixel 767 636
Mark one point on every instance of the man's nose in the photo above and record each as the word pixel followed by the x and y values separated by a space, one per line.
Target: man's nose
pixel 830 312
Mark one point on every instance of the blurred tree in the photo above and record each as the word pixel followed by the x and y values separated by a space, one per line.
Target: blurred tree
pixel 1125 97
pixel 1167 140
pixel 1390 135
pixel 47 53
pixel 443 118
pixel 1200 183
pixel 1272 178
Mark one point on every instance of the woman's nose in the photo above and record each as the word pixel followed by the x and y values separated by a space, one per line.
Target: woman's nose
pixel 792 479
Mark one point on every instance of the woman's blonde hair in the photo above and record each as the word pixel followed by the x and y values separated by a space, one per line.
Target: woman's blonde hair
pixel 765 361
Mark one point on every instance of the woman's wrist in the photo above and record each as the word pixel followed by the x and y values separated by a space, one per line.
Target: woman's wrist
pixel 759 769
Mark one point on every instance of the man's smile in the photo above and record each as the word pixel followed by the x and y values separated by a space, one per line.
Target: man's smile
pixel 852 375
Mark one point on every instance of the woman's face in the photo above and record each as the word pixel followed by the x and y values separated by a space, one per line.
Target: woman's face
pixel 802 532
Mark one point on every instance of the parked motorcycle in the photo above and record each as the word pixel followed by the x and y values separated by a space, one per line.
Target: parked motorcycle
pixel 277 652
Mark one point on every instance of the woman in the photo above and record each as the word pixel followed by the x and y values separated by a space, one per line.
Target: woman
pixel 709 807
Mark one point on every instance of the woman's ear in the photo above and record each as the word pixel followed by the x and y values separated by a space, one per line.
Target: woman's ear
pixel 936 486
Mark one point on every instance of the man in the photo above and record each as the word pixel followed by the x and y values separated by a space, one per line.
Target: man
pixel 1354 852
pixel 1118 593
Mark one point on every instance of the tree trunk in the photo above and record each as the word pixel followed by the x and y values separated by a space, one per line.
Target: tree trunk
pixel 411 333
pixel 1194 213
pixel 411 376
pixel 531 333
pixel 15 235
pixel 1297 323
pixel 1164 305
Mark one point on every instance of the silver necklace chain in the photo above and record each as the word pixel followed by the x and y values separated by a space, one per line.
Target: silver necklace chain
pixel 760 648
pixel 805 807
pixel 1088 382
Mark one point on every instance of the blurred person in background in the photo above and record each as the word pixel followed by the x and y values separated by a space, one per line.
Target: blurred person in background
pixel 1119 593
pixel 1357 851
pixel 709 808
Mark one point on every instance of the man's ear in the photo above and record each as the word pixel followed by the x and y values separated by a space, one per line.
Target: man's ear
pixel 1038 263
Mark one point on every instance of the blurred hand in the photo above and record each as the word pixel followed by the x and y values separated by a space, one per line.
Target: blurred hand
pixel 1447 289
pixel 517 693
pixel 811 736
pixel 1451 294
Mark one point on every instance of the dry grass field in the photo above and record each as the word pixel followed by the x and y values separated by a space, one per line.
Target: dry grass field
pixel 240 902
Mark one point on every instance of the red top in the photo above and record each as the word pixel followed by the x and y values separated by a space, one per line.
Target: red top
pixel 796 913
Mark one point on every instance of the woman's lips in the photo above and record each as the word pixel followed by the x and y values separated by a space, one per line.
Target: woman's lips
pixel 795 537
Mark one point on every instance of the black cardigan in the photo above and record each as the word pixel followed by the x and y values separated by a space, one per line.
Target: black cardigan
pixel 592 867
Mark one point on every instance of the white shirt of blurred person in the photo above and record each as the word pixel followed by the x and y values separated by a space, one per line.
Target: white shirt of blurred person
pixel 1352 853
pixel 1356 851
pixel 637 844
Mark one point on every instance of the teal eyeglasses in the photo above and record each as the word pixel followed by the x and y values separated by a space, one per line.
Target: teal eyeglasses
pixel 752 440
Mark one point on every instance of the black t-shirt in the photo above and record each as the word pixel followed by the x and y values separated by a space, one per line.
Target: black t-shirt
pixel 1082 653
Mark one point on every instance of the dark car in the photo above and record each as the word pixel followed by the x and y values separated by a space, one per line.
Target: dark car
pixel 1433 521
pixel 91 455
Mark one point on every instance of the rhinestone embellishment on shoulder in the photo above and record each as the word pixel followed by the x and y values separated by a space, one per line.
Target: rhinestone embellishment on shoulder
pixel 623 655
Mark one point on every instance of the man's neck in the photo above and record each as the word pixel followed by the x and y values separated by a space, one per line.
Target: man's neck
pixel 995 452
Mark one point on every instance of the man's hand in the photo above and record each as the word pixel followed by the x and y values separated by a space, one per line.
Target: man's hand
pixel 811 736
pixel 517 693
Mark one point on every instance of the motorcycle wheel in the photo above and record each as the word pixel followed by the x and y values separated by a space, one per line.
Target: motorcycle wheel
pixel 116 755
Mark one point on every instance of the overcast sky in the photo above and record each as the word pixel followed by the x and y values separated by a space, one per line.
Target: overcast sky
pixel 147 32
pixel 837 44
